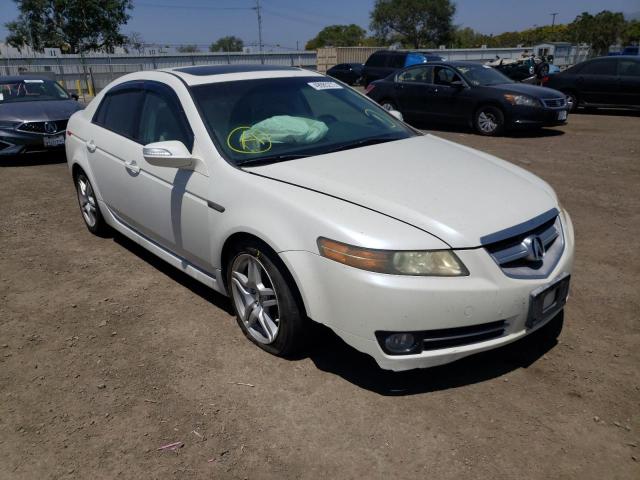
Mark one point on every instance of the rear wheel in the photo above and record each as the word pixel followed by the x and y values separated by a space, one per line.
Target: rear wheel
pixel 388 105
pixel 264 299
pixel 489 121
pixel 572 101
pixel 89 205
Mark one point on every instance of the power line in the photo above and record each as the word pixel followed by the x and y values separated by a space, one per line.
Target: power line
pixel 187 7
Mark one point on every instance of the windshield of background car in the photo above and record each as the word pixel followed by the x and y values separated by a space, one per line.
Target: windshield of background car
pixel 31 90
pixel 483 75
pixel 271 117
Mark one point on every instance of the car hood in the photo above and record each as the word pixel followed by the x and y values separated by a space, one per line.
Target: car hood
pixel 526 89
pixel 38 111
pixel 453 192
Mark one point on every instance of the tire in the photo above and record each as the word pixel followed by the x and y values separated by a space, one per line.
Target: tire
pixel 89 206
pixel 572 101
pixel 388 105
pixel 542 70
pixel 268 307
pixel 489 121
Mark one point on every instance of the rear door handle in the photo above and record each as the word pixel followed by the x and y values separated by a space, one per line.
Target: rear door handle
pixel 91 146
pixel 132 166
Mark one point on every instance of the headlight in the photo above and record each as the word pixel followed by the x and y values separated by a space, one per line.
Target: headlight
pixel 5 125
pixel 522 100
pixel 440 263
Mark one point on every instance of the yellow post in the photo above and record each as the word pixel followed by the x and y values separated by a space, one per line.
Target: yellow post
pixel 90 87
pixel 78 88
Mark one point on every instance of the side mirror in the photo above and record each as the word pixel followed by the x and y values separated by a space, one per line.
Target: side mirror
pixel 397 114
pixel 172 153
pixel 75 96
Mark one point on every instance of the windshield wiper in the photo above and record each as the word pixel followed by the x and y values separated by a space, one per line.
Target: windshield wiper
pixel 361 143
pixel 254 162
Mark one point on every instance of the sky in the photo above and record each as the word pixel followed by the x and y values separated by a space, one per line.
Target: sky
pixel 289 23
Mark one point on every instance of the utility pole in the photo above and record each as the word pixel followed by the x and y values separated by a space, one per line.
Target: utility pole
pixel 553 21
pixel 257 8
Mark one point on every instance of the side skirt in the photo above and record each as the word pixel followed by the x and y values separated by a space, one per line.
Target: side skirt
pixel 212 280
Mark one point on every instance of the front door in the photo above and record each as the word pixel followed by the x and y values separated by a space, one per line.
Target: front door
pixel 597 81
pixel 629 81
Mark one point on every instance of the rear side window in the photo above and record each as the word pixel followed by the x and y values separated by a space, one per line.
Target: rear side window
pixel 162 118
pixel 397 60
pixel 600 67
pixel 118 111
pixel 416 75
pixel 377 59
pixel 629 68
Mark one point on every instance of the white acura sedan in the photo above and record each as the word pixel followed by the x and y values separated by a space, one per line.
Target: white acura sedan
pixel 303 200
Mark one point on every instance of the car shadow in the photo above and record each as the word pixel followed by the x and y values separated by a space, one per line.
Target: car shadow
pixel 330 354
pixel 613 112
pixel 518 133
pixel 33 159
pixel 206 293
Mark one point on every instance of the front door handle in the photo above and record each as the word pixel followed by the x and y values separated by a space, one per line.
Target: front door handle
pixel 132 166
pixel 91 146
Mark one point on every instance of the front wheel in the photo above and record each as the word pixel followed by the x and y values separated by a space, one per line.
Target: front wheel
pixel 263 297
pixel 489 121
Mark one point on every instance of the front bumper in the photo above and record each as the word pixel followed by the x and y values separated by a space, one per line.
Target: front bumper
pixel 356 304
pixel 15 142
pixel 521 116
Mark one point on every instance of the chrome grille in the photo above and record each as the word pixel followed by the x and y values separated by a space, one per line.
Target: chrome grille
pixel 555 102
pixel 455 337
pixel 39 127
pixel 515 255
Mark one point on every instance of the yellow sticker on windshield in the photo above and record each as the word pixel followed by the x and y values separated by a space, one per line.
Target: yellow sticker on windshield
pixel 248 140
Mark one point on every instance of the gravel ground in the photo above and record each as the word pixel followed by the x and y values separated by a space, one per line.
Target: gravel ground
pixel 106 354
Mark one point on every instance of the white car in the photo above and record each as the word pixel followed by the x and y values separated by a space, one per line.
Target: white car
pixel 302 199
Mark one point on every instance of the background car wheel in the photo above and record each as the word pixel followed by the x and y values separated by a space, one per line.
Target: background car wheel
pixel 572 101
pixel 489 121
pixel 89 205
pixel 264 299
pixel 388 105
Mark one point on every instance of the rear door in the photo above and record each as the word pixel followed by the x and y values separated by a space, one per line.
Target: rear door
pixel 597 81
pixel 413 89
pixel 629 81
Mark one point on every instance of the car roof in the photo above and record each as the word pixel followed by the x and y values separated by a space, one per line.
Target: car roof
pixel 201 74
pixel 450 64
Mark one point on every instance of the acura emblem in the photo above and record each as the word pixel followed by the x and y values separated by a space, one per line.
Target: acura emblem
pixel 50 127
pixel 535 248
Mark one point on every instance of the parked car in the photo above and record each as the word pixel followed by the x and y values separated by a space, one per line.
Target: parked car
pixel 526 69
pixel 601 82
pixel 468 94
pixel 349 73
pixel 302 199
pixel 33 114
pixel 385 62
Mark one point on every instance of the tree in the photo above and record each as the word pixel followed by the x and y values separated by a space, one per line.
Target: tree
pixel 227 44
pixel 421 23
pixel 189 48
pixel 467 38
pixel 73 26
pixel 338 36
pixel 600 30
pixel 134 41
pixel 631 34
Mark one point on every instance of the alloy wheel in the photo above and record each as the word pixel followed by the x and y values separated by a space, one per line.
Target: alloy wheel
pixel 255 298
pixel 87 199
pixel 487 122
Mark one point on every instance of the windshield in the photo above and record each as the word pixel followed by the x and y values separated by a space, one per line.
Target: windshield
pixel 275 119
pixel 30 90
pixel 483 75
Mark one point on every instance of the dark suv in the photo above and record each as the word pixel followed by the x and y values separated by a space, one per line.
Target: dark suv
pixel 383 63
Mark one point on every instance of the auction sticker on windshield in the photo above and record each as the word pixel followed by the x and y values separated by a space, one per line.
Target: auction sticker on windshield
pixel 324 85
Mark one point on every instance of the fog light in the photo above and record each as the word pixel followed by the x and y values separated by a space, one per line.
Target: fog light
pixel 400 342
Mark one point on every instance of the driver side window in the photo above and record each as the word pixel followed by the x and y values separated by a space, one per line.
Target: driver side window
pixel 446 76
pixel 162 119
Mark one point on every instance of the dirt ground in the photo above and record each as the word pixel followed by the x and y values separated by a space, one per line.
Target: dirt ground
pixel 107 354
